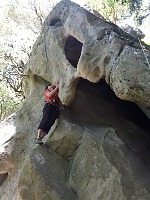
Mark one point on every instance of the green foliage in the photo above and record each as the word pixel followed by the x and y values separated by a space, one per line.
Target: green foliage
pixel 96 4
pixel 9 103
pixel 20 24
pixel 112 10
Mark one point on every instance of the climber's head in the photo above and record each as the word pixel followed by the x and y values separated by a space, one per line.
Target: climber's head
pixel 49 87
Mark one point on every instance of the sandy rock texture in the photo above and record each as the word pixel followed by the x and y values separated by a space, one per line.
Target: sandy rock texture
pixel 99 148
pixel 95 49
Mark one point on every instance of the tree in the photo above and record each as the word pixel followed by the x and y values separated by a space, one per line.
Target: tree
pixel 20 25
pixel 112 10
pixel 8 101
pixel 13 75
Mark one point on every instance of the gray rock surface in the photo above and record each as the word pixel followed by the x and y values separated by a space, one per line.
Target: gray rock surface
pixel 43 176
pixel 133 31
pixel 100 146
pixel 93 48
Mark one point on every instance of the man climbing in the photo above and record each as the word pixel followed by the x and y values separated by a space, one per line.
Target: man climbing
pixel 50 111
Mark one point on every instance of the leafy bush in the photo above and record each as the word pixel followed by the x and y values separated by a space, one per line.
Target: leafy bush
pixel 9 103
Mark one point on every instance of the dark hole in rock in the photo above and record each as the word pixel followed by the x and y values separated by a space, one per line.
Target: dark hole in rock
pixel 95 104
pixel 3 177
pixel 126 109
pixel 73 50
pixel 56 22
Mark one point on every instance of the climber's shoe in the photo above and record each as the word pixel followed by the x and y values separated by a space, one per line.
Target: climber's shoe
pixel 39 141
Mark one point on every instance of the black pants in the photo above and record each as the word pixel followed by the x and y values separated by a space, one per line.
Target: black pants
pixel 50 114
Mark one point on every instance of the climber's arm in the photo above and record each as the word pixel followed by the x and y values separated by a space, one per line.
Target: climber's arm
pixel 53 92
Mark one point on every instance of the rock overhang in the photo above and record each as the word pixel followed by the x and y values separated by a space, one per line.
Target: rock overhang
pixel 97 53
pixel 75 43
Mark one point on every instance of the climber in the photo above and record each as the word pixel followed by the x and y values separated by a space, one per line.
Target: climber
pixel 50 111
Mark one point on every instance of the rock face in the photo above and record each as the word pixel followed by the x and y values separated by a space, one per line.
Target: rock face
pixel 133 31
pixel 100 146
pixel 91 48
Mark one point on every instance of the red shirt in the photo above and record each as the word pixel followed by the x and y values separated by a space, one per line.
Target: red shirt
pixel 52 100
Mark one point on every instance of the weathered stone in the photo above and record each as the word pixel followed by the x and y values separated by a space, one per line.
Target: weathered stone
pixel 95 45
pixel 125 79
pixel 133 31
pixel 66 138
pixel 99 149
pixel 43 177
pixel 7 144
pixel 92 176
pixel 102 169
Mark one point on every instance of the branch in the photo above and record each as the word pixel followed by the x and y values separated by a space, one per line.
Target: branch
pixel 37 14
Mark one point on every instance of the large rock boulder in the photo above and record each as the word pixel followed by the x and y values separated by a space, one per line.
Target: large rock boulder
pixel 43 176
pixel 91 48
pixel 100 146
pixel 99 168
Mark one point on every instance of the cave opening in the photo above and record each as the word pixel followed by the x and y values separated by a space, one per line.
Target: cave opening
pixel 126 109
pixel 96 104
pixel 73 49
